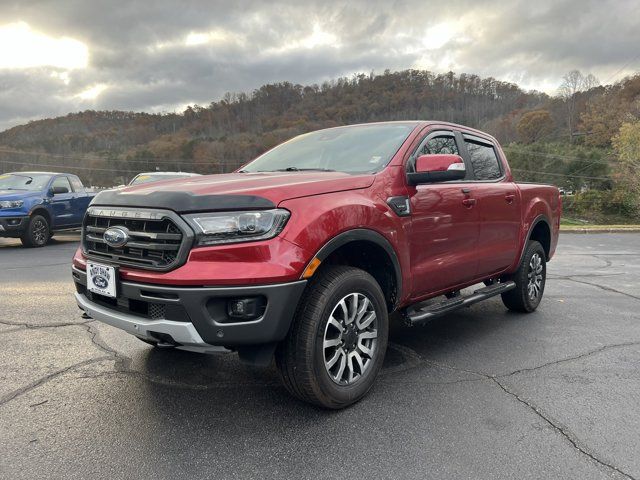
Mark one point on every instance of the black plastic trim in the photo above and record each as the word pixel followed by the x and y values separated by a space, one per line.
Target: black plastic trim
pixel 273 326
pixel 13 231
pixel 360 234
pixel 536 221
pixel 181 202
pixel 183 251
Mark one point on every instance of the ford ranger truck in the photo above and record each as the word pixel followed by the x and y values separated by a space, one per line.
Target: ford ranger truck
pixel 35 205
pixel 304 253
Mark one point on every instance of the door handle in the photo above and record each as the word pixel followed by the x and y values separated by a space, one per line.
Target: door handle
pixel 469 202
pixel 510 197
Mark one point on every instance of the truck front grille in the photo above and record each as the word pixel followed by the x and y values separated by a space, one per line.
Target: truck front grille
pixel 158 239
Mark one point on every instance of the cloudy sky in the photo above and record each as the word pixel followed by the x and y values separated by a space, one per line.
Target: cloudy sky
pixel 58 56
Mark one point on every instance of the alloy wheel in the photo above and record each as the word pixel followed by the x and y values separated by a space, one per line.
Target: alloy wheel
pixel 350 339
pixel 535 275
pixel 39 232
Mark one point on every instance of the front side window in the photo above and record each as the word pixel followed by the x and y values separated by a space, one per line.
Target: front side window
pixel 354 149
pixel 62 182
pixel 440 144
pixel 484 160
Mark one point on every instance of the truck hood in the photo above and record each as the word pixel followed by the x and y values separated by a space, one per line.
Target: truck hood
pixel 232 191
pixel 17 194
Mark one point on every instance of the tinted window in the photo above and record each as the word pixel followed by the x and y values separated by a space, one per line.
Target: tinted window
pixel 440 144
pixel 77 184
pixel 483 161
pixel 61 182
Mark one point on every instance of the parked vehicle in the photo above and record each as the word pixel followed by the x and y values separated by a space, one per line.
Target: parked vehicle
pixel 35 205
pixel 150 177
pixel 304 252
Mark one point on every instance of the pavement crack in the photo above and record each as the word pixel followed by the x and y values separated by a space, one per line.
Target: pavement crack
pixel 122 361
pixel 566 433
pixel 569 359
pixel 48 325
pixel 41 381
pixel 602 287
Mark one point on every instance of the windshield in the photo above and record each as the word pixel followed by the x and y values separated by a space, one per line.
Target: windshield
pixel 355 149
pixel 24 181
pixel 150 177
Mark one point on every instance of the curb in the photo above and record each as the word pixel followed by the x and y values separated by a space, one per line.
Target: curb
pixel 601 230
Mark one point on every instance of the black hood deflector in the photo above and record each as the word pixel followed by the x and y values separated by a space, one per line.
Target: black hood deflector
pixel 181 202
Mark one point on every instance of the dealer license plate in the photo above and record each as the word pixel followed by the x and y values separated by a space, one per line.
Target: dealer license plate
pixel 101 279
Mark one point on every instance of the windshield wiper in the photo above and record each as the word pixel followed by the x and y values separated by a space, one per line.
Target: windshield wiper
pixel 296 169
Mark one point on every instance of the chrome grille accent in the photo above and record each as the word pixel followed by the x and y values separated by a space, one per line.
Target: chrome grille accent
pixel 158 239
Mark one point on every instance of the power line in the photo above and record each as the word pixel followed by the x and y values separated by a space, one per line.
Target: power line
pixel 148 160
pixel 538 153
pixel 560 174
pixel 70 167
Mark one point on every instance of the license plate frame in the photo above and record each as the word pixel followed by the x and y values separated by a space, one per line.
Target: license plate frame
pixel 103 279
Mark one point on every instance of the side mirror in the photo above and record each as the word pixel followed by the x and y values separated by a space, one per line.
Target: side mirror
pixel 437 168
pixel 59 190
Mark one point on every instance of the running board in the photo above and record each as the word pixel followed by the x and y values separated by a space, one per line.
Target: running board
pixel 435 310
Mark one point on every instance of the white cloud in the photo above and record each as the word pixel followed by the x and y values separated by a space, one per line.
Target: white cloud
pixel 23 47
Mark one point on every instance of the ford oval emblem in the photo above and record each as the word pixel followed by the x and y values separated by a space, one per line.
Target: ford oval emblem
pixel 116 237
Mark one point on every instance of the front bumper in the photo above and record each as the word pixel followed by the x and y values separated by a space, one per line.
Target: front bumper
pixel 13 226
pixel 194 318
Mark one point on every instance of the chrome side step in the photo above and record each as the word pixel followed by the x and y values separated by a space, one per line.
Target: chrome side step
pixel 417 316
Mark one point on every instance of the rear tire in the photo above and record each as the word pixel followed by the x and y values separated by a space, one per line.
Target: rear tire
pixel 530 280
pixel 338 339
pixel 37 233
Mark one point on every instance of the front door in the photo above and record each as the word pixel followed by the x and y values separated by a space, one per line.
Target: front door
pixel 444 226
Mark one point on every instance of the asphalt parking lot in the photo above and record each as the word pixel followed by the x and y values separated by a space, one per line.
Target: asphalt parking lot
pixel 483 393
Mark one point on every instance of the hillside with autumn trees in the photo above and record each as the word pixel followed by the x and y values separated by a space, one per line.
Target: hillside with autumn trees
pixel 585 139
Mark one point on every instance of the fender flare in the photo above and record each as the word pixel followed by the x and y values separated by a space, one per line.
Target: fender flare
pixel 364 234
pixel 540 218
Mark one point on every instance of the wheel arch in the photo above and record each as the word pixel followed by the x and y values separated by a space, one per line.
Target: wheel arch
pixel 371 251
pixel 40 210
pixel 540 230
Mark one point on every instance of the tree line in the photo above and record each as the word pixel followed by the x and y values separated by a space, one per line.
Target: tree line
pixel 577 138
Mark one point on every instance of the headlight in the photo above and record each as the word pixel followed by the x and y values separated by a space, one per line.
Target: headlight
pixel 11 203
pixel 232 227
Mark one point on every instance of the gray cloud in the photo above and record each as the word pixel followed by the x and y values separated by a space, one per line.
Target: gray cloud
pixel 138 49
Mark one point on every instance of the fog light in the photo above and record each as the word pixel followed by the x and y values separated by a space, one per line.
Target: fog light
pixel 246 308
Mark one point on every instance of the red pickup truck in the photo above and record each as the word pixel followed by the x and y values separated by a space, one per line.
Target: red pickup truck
pixel 306 251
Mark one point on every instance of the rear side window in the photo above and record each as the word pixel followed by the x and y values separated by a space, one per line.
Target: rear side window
pixel 77 184
pixel 484 160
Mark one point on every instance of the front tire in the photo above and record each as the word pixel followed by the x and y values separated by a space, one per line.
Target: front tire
pixel 338 339
pixel 37 233
pixel 530 279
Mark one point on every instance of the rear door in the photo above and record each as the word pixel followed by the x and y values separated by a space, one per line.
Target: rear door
pixel 80 200
pixel 62 203
pixel 444 225
pixel 498 205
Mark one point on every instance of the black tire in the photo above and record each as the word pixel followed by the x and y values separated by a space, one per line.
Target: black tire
pixel 301 357
pixel 525 297
pixel 37 233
